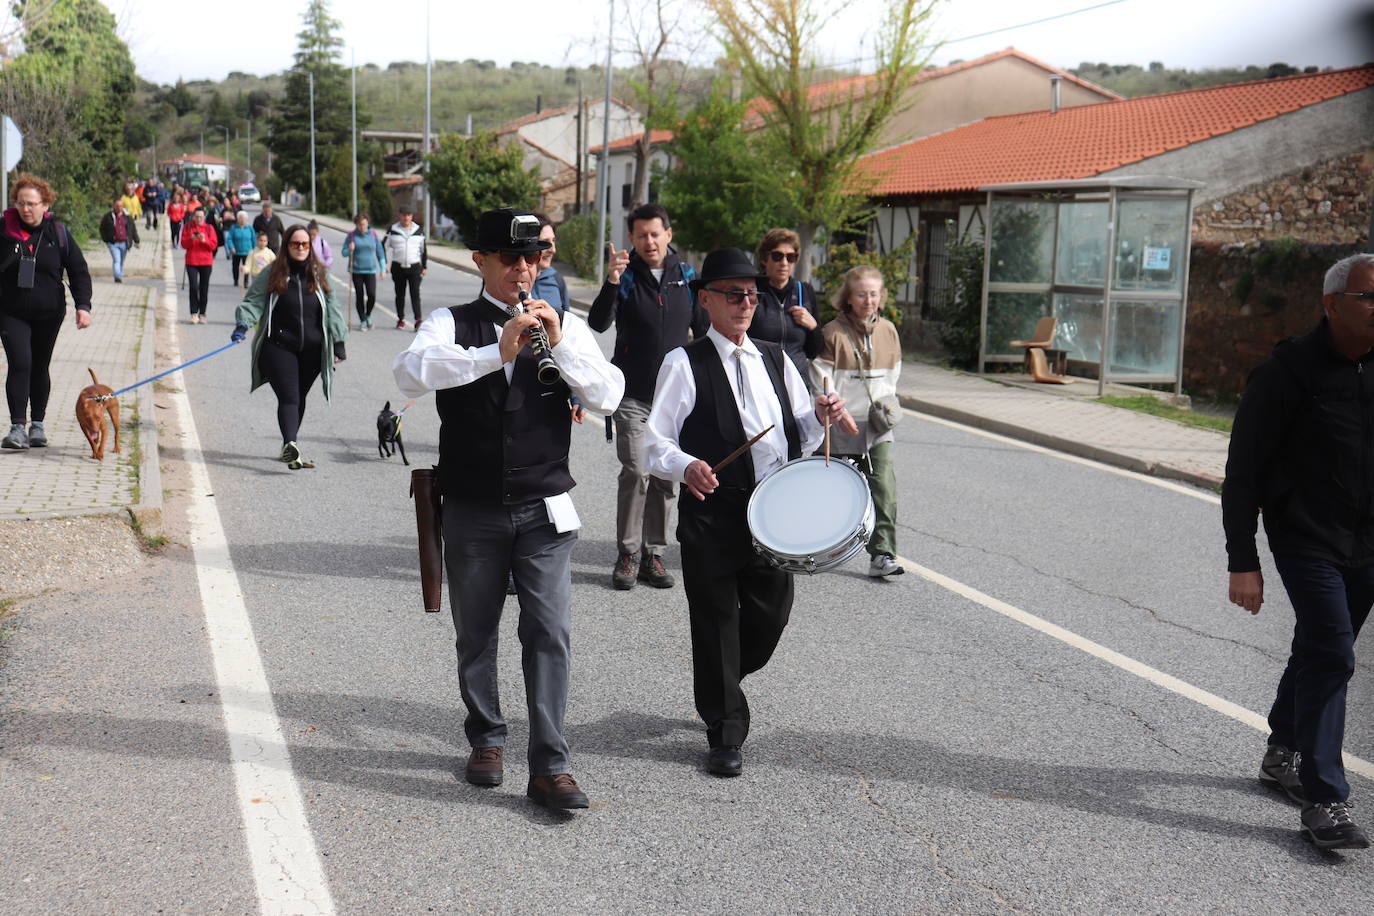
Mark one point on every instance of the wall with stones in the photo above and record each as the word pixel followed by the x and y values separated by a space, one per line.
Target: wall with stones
pixel 1327 202
pixel 1244 298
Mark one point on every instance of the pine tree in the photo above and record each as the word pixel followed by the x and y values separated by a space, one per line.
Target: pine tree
pixel 317 54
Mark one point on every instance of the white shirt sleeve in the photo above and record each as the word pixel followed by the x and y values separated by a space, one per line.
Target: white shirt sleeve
pixel 585 368
pixel 675 395
pixel 433 360
pixel 809 429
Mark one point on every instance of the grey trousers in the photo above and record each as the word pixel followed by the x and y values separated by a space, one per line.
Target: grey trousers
pixel 644 502
pixel 481 542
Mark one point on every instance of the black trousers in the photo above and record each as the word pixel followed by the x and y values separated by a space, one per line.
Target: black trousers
pixel 176 229
pixel 1330 605
pixel 738 604
pixel 365 295
pixel 403 278
pixel 235 265
pixel 28 350
pixel 198 280
pixel 291 376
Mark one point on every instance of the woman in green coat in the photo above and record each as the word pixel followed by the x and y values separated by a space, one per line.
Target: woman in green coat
pixel 300 334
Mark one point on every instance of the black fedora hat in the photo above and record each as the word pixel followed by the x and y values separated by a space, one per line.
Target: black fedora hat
pixel 725 264
pixel 506 229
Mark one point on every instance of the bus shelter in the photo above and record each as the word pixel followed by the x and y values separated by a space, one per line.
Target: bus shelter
pixel 1106 257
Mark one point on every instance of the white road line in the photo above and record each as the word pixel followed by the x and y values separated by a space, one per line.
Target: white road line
pixel 1184 489
pixel 286 865
pixel 1097 650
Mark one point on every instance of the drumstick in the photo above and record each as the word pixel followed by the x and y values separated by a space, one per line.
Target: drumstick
pixel 825 389
pixel 740 451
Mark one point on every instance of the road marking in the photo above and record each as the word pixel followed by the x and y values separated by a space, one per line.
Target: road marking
pixel 1112 657
pixel 1184 489
pixel 286 865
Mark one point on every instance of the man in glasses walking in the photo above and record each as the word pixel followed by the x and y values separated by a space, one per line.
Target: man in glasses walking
pixel 1300 451
pixel 503 472
pixel 648 295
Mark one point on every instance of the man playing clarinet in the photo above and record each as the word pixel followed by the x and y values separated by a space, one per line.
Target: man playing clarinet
pixel 711 397
pixel 503 473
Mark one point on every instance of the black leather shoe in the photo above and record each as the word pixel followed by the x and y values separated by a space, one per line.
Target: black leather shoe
pixel 725 761
pixel 559 791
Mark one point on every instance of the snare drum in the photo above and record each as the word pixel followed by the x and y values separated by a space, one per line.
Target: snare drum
pixel 808 517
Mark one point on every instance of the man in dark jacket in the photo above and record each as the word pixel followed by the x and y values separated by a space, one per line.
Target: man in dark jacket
pixel 270 223
pixel 649 297
pixel 118 230
pixel 1300 451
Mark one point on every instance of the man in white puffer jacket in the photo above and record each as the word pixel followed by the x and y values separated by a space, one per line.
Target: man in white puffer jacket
pixel 405 246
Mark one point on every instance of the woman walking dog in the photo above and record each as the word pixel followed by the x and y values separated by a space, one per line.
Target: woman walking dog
pixel 300 335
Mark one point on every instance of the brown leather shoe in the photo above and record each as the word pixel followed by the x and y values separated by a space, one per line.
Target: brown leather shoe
pixel 558 791
pixel 623 576
pixel 484 766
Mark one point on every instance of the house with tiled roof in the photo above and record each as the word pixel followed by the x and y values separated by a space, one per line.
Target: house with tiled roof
pixel 1289 156
pixel 941 98
pixel 620 169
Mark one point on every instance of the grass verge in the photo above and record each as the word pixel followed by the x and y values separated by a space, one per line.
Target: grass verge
pixel 152 543
pixel 1157 408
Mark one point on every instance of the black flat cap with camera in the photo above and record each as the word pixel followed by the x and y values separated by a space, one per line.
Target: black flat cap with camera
pixel 505 229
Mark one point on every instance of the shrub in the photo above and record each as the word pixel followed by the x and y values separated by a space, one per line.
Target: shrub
pixel 963 312
pixel 894 265
pixel 577 245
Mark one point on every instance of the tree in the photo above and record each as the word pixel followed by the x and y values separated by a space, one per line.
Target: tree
pixel 817 140
pixel 471 174
pixel 317 55
pixel 180 98
pixel 335 184
pixel 718 194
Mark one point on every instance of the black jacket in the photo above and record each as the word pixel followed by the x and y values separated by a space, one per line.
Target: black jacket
pixel 54 251
pixel 1302 450
pixel 107 226
pixel 773 323
pixel 273 227
pixel 651 319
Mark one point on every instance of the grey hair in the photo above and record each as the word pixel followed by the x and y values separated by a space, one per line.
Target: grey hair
pixel 1339 274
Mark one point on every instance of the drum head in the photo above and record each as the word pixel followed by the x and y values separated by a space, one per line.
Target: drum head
pixel 806 508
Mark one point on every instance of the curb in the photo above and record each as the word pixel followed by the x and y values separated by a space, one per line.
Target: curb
pixel 1059 443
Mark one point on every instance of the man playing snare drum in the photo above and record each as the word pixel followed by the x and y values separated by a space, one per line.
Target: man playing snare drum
pixel 712 396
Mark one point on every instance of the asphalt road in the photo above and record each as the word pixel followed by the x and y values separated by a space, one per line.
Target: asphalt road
pixel 912 751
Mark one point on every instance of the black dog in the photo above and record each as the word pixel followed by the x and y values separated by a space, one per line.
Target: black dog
pixel 389 434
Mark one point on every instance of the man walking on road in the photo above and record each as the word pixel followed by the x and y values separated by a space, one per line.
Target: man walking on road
pixel 118 230
pixel 405 245
pixel 503 472
pixel 271 224
pixel 648 295
pixel 1300 452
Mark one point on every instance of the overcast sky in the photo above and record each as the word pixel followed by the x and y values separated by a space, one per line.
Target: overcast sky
pixel 173 38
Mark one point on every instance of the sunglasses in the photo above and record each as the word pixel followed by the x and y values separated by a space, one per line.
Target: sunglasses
pixel 512 258
pixel 735 296
pixel 778 256
pixel 1367 295
pixel 299 245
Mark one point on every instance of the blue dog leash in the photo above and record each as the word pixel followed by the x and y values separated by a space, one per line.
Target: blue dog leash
pixel 105 397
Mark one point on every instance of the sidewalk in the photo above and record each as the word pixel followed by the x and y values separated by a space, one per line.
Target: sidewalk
pixel 1066 420
pixel 63 479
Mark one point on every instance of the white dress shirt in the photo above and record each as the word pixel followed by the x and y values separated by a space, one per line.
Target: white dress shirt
pixel 434 361
pixel 675 396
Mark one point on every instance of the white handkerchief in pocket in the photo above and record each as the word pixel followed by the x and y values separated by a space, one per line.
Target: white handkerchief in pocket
pixel 562 513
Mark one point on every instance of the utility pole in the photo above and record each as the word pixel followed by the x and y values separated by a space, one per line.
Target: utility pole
pixel 578 160
pixel 249 166
pixel 429 69
pixel 353 71
pixel 311 75
pixel 602 178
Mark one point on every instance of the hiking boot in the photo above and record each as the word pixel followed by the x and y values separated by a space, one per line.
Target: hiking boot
pixel 1328 826
pixel 884 564
pixel 651 571
pixel 558 791
pixel 623 576
pixel 18 439
pixel 1279 770
pixel 37 437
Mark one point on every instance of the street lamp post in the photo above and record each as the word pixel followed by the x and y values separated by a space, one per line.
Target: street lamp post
pixel 603 177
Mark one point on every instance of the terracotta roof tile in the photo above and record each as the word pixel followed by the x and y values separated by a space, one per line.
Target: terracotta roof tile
pixel 1088 140
pixel 655 138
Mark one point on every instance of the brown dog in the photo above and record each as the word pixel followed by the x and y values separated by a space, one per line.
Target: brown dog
pixel 94 402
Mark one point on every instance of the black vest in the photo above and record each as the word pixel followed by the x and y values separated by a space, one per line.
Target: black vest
pixel 713 429
pixel 500 442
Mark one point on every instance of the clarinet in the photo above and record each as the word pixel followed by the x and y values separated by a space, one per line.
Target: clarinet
pixel 548 371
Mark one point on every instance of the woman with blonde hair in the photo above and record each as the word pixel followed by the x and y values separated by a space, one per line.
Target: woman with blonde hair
pixel 861 359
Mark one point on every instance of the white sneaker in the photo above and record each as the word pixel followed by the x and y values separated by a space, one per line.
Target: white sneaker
pixel 883 564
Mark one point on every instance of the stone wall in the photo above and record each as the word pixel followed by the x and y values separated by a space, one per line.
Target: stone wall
pixel 1327 202
pixel 1243 299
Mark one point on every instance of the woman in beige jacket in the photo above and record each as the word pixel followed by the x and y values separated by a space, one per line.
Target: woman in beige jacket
pixel 861 357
